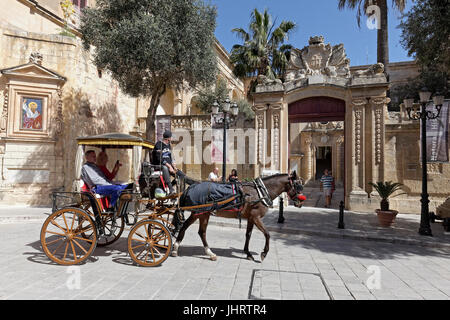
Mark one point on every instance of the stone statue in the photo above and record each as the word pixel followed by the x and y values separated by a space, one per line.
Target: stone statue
pixel 36 57
pixel 373 70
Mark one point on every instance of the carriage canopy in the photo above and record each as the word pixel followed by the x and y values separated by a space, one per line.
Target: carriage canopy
pixel 114 140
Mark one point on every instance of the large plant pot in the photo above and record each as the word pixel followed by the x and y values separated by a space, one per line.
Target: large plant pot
pixel 386 218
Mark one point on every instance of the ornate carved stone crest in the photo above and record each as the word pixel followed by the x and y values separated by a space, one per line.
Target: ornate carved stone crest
pixel 318 59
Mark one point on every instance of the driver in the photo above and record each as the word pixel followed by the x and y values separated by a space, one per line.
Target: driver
pixel 98 182
pixel 162 155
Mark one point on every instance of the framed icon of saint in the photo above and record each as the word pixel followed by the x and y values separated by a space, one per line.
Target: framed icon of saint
pixel 31 113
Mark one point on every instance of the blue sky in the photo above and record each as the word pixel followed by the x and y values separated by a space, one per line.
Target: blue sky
pixel 313 17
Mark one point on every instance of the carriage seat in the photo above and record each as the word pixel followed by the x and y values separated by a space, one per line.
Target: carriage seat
pixel 104 200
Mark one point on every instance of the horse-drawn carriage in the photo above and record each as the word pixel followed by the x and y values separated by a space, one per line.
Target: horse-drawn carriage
pixel 81 220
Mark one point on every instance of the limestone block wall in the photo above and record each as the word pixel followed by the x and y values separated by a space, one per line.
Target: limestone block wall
pixel 402 152
pixel 92 103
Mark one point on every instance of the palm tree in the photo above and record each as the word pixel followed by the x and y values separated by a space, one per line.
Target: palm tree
pixel 382 35
pixel 263 51
pixel 385 190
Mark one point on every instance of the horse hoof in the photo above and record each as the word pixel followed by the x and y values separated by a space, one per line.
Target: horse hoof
pixel 263 255
pixel 174 254
pixel 213 258
pixel 250 257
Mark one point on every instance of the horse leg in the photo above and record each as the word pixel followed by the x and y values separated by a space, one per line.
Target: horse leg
pixel 248 234
pixel 260 225
pixel 180 236
pixel 202 233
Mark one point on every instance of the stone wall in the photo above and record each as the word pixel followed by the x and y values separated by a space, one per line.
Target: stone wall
pixel 403 156
pixel 91 104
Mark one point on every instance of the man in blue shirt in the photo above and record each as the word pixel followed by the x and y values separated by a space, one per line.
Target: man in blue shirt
pixel 326 185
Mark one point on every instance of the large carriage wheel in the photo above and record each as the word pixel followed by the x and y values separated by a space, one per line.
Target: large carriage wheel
pixel 149 243
pixel 113 231
pixel 62 239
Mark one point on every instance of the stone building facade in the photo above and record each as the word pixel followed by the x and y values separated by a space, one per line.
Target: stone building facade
pixel 328 108
pixel 50 72
pixel 327 114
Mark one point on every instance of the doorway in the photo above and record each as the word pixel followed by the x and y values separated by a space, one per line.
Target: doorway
pixel 323 160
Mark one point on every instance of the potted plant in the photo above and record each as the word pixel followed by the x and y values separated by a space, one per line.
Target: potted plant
pixel 385 189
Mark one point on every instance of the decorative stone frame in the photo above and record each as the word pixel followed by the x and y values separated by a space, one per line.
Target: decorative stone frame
pixel 32 80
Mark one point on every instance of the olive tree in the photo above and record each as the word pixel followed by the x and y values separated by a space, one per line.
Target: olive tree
pixel 151 45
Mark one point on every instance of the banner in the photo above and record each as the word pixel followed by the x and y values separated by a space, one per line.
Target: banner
pixel 437 134
pixel 162 124
pixel 216 139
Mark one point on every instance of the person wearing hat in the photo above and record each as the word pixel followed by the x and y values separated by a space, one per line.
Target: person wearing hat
pixel 162 155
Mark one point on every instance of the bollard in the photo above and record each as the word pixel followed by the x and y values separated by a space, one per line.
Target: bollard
pixel 280 211
pixel 341 216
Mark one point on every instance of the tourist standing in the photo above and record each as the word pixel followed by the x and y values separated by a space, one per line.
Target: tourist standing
pixel 326 186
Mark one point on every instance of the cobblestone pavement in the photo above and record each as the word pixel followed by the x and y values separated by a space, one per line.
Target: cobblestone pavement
pixel 297 267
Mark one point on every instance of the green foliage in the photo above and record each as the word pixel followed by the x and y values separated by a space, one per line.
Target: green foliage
pixel 220 92
pixel 207 97
pixel 386 189
pixel 151 45
pixel 434 81
pixel 263 51
pixel 426 33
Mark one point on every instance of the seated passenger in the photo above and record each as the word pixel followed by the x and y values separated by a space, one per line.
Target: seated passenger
pixel 98 182
pixel 102 160
pixel 233 177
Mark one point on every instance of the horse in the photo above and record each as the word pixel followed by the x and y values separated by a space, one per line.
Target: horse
pixel 252 209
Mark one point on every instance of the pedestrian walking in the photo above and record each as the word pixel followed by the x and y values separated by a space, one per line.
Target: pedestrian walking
pixel 326 186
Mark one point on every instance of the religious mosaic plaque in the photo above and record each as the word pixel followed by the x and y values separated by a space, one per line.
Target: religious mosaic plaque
pixel 31 113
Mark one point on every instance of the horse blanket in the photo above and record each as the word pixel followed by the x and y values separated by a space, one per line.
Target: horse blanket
pixel 210 192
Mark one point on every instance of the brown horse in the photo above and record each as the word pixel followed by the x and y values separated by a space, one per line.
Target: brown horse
pixel 252 209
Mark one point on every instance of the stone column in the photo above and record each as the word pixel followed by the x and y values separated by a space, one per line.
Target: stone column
pixel 275 136
pixel 4 116
pixel 378 105
pixel 261 137
pixel 357 147
pixel 337 173
pixel 308 157
pixel 178 106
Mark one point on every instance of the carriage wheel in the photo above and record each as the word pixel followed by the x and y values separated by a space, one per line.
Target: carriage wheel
pixel 113 231
pixel 149 243
pixel 165 215
pixel 62 239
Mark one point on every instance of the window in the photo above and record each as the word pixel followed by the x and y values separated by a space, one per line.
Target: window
pixel 80 4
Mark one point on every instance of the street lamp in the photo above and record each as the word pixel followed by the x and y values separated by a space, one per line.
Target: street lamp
pixel 424 115
pixel 225 121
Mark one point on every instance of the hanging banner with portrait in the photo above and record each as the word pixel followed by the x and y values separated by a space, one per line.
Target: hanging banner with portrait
pixel 437 134
pixel 163 123
pixel 216 139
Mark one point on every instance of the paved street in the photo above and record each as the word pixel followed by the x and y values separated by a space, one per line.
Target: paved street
pixel 297 267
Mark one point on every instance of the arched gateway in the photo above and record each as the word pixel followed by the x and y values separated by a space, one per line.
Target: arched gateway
pixel 321 88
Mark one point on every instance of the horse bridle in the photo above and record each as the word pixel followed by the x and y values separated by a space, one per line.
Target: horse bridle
pixel 296 187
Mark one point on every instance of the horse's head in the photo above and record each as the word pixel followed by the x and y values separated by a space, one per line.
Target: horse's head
pixel 295 189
